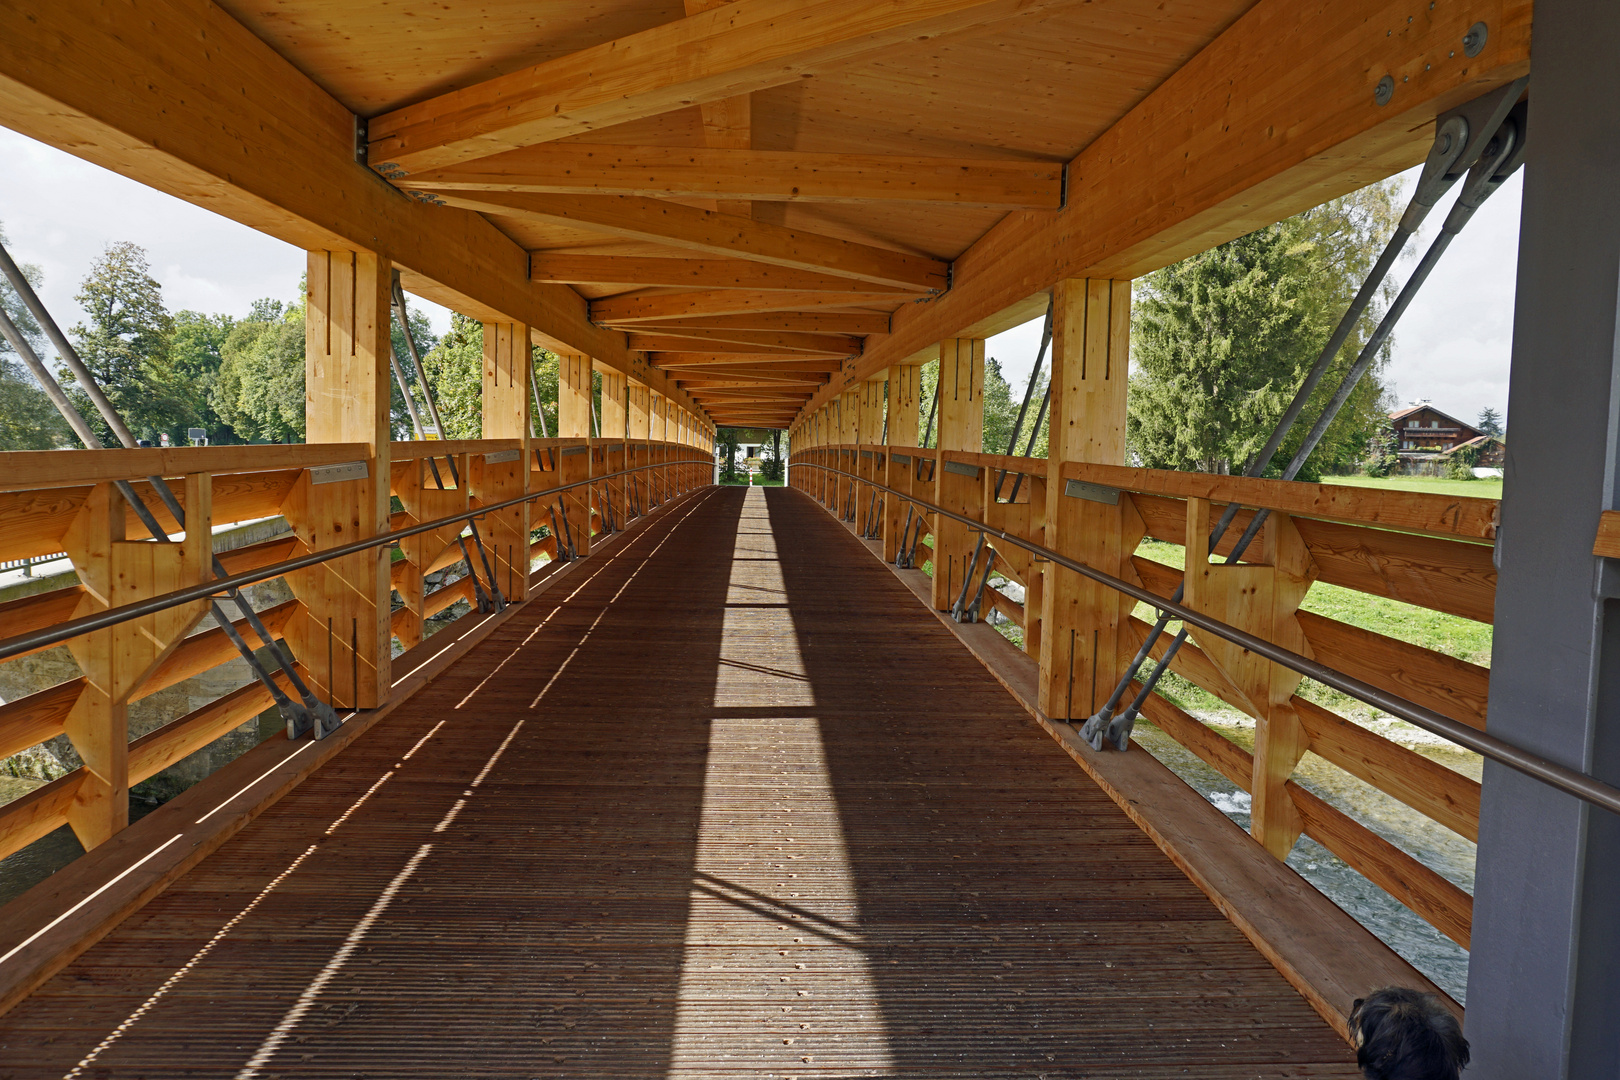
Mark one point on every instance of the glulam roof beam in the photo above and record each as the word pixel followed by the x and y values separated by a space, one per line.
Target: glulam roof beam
pixel 786 346
pixel 809 322
pixel 843 344
pixel 1273 117
pixel 713 233
pixel 769 175
pixel 774 363
pixel 719 273
pixel 730 50
pixel 647 307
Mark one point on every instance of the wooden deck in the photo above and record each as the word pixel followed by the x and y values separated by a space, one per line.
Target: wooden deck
pixel 730 803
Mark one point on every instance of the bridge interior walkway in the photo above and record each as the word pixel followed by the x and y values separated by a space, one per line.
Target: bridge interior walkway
pixel 727 801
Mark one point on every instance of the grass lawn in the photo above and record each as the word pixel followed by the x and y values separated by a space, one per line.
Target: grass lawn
pixel 1463 638
pixel 1479 489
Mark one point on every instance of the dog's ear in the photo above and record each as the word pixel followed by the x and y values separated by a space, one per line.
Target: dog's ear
pixel 1356 1004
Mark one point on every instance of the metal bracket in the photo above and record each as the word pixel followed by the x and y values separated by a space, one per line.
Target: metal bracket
pixel 334 474
pixel 1097 493
pixel 960 468
pixel 502 456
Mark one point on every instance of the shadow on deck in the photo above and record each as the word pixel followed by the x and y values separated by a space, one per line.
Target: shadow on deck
pixel 730 802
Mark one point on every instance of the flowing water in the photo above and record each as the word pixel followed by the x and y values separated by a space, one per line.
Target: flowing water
pixel 1421 945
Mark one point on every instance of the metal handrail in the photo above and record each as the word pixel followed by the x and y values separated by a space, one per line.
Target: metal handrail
pixel 101 620
pixel 1570 781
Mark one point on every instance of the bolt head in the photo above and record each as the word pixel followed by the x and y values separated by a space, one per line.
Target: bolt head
pixel 1384 90
pixel 1474 40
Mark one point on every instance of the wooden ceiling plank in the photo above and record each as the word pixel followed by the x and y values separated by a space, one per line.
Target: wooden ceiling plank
pixel 767 175
pixel 645 307
pixel 735 49
pixel 566 269
pixel 714 233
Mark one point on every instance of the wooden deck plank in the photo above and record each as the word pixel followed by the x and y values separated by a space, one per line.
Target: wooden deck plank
pixel 731 803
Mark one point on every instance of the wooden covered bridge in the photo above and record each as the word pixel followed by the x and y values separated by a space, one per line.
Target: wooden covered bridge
pixel 713 781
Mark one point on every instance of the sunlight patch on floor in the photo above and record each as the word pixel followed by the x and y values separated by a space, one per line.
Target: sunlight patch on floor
pixel 774 979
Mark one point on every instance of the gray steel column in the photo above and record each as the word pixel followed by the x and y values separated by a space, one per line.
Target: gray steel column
pixel 1544 981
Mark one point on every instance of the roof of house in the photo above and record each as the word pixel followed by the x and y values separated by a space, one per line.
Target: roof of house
pixel 1399 414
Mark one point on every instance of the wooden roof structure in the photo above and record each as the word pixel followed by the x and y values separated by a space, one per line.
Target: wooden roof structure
pixel 749 206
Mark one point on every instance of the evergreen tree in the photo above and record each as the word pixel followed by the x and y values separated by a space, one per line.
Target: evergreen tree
pixel 1220 341
pixel 125 344
pixel 1000 409
pixel 28 420
pixel 1490 422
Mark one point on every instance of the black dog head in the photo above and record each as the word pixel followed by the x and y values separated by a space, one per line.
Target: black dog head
pixel 1404 1034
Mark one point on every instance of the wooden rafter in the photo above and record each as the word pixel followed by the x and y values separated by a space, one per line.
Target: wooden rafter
pixel 645 307
pixel 772 175
pixel 808 322
pixel 714 233
pixel 567 269
pixel 775 339
pixel 724 52
pixel 680 361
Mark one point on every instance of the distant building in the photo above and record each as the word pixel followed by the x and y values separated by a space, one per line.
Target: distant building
pixel 1426 438
pixel 1421 430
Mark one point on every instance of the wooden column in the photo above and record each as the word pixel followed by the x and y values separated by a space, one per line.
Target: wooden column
pixel 636 404
pixel 868 433
pixel 614 406
pixel 903 420
pixel 1080 635
pixel 615 429
pixel 961 427
pixel 344 603
pixel 573 396
pixel 504 474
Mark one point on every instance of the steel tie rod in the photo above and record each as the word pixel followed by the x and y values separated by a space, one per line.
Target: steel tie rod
pixel 449 459
pixel 1455 149
pixel 313 713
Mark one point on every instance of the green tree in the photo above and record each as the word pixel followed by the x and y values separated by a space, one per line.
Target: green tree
pixel 1000 407
pixel 195 351
pixel 28 420
pixel 455 372
pixel 125 344
pixel 1490 422
pixel 1221 340
pixel 259 388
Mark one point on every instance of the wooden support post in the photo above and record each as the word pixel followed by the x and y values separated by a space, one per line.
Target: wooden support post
pixel 961 427
pixel 638 424
pixel 344 611
pixel 115 571
pixel 1080 646
pixel 573 396
pixel 504 474
pixel 615 429
pixel 1260 597
pixel 903 418
pixel 869 432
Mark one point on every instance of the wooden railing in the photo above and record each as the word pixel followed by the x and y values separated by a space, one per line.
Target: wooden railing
pixel 1430 551
pixel 337 633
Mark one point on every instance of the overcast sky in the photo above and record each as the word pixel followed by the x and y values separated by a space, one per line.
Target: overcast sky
pixel 59 212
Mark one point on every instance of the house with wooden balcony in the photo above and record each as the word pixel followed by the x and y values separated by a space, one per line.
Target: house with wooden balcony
pixel 594 767
pixel 1421 428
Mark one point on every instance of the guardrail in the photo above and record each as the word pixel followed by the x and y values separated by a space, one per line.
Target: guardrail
pixel 1425 550
pixel 128 622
